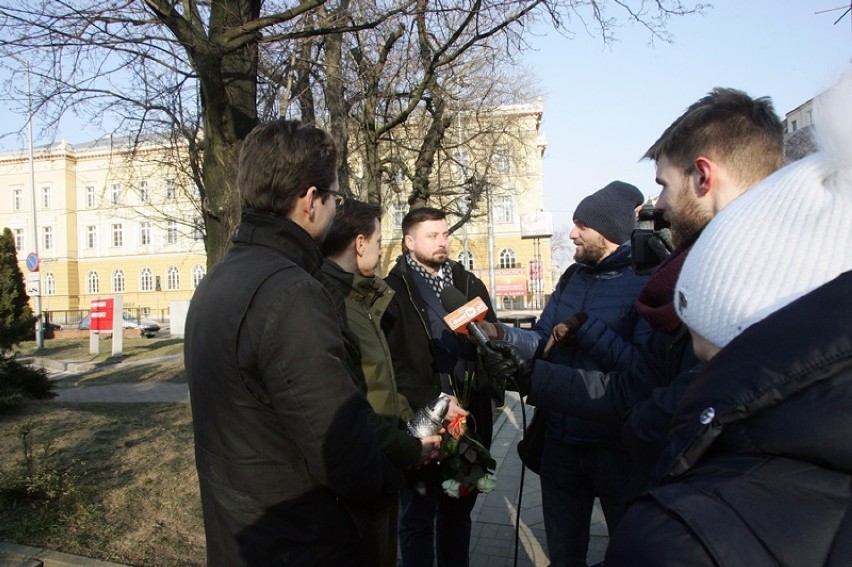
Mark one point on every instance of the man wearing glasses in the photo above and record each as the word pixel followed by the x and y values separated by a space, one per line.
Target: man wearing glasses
pixel 289 467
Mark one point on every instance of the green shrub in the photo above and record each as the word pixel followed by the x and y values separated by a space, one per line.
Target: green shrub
pixel 19 382
pixel 16 317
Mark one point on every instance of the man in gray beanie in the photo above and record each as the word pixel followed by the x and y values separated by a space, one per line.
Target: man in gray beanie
pixel 611 211
pixel 590 323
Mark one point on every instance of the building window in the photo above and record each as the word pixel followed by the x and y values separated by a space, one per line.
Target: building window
pixel 172 279
pixel 118 281
pixel 146 280
pixel 90 197
pixel 145 233
pixel 143 191
pixel 115 193
pixel 91 237
pixel 171 232
pixel 117 235
pixel 504 210
pixel 49 284
pixel 47 238
pixel 466 259
pixel 198 231
pixel 795 125
pixel 92 285
pixel 45 197
pixel 399 210
pixel 197 275
pixel 171 189
pixel 460 165
pixel 501 159
pixel 19 239
pixel 17 199
pixel 507 258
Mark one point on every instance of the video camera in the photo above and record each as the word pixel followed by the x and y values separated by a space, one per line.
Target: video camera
pixel 651 221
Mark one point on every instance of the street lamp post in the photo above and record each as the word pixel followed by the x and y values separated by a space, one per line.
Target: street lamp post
pixel 34 248
pixel 492 280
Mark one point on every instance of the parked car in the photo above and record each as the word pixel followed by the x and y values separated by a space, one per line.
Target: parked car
pixel 146 327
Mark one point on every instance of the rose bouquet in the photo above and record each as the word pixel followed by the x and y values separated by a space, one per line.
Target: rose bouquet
pixel 466 464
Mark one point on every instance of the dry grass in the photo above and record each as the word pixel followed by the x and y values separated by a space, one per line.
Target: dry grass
pixel 134 496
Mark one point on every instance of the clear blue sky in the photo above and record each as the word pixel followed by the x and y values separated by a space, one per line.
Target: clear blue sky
pixel 604 106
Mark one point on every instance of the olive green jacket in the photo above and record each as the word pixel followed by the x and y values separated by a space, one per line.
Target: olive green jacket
pixel 366 300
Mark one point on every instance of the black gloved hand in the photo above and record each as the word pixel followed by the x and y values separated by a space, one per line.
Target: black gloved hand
pixel 565 333
pixel 505 366
pixel 502 362
pixel 661 243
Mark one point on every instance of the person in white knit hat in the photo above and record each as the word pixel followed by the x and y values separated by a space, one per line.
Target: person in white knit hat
pixel 784 238
pixel 757 468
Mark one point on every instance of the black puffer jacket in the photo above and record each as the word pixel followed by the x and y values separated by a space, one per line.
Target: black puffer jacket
pixel 289 467
pixel 758 466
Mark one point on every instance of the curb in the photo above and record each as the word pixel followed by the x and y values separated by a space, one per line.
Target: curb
pixel 56 365
pixel 14 555
pixel 50 363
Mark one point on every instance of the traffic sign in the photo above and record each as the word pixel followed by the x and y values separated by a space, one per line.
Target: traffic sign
pixel 32 262
pixel 33 284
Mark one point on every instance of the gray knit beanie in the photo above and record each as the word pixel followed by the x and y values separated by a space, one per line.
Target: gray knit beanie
pixel 611 211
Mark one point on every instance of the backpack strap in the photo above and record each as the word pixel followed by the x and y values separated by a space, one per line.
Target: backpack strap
pixel 566 275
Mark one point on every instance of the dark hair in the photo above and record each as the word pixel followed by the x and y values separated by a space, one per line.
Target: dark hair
pixel 353 218
pixel 422 214
pixel 729 126
pixel 280 160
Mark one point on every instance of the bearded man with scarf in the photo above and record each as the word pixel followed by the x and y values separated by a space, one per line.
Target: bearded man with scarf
pixel 721 146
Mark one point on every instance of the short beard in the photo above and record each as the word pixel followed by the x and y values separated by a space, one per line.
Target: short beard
pixel 429 262
pixel 689 223
pixel 592 252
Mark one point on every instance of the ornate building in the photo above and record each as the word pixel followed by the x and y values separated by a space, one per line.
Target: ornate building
pixel 111 221
pixel 107 222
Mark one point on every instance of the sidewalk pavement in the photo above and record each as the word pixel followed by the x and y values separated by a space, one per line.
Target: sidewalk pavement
pixel 493 533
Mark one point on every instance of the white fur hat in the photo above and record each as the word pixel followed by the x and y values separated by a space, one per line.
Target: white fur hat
pixel 781 239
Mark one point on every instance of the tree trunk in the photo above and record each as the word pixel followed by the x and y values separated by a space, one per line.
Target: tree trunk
pixel 229 112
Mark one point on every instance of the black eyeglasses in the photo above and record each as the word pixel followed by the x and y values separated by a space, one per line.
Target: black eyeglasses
pixel 337 195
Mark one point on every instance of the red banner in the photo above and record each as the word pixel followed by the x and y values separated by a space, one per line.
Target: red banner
pixel 101 315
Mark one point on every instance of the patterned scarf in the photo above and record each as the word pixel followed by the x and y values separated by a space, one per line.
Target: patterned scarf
pixel 438 282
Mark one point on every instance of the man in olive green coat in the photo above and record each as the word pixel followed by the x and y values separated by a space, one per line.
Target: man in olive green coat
pixel 352 251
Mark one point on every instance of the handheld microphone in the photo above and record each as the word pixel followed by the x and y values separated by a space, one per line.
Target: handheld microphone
pixel 463 315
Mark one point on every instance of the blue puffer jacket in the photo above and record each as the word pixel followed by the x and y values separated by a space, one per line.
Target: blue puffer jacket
pixel 611 338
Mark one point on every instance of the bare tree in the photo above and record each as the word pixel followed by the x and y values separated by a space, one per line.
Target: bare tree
pixel 562 251
pixel 198 68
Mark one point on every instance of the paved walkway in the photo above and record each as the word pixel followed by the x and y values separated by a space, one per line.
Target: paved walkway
pixel 493 535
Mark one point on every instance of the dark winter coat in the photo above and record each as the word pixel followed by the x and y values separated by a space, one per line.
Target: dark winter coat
pixel 366 301
pixel 610 339
pixel 758 465
pixel 289 467
pixel 642 398
pixel 408 330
